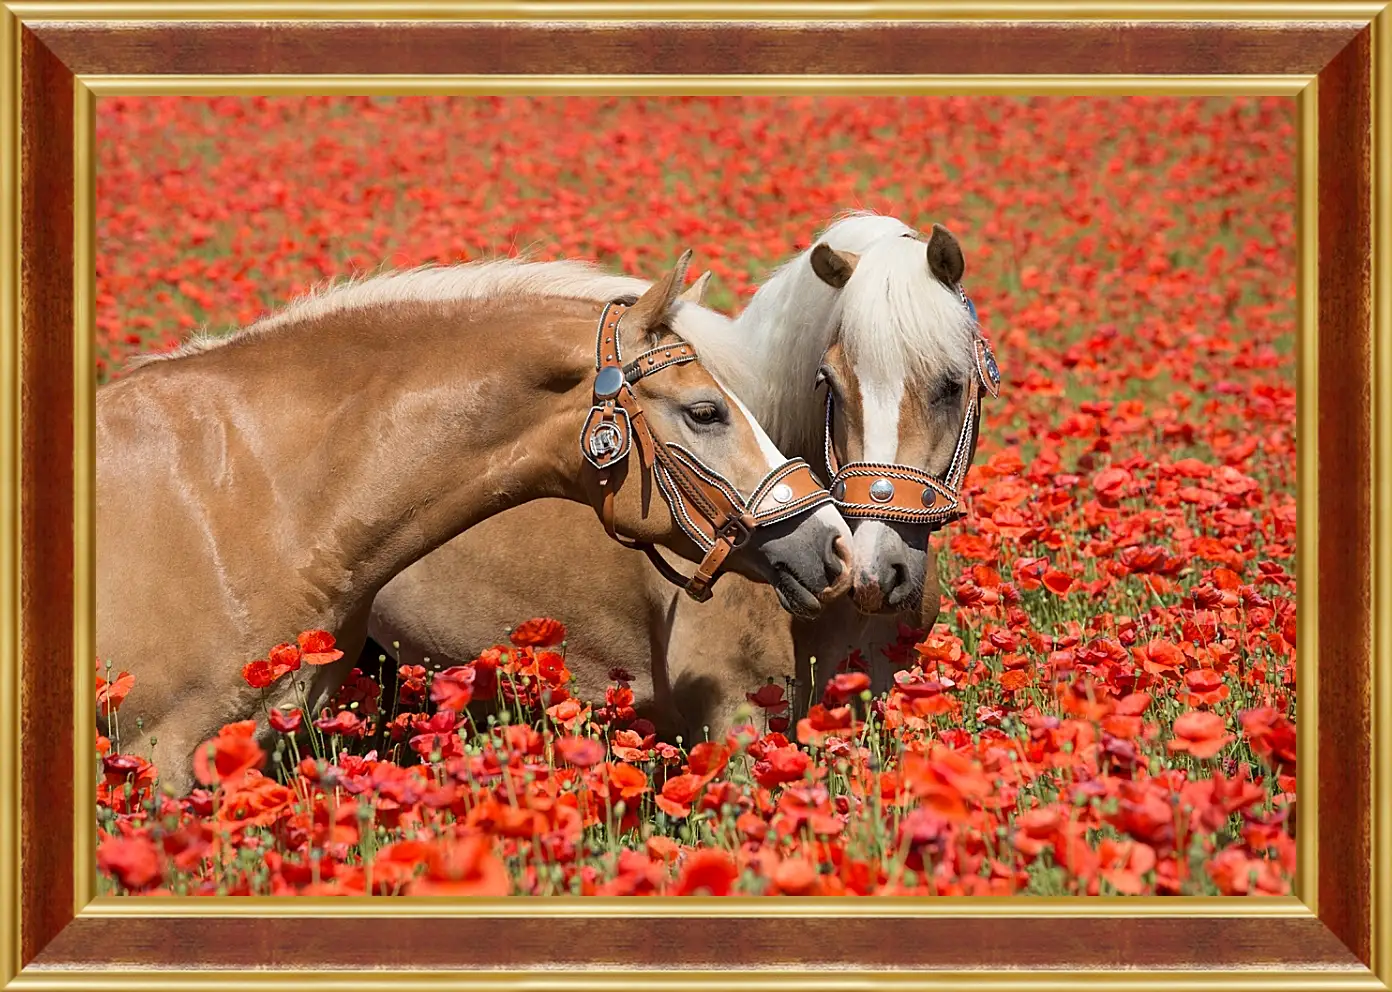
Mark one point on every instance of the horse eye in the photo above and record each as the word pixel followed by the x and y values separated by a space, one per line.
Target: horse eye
pixel 703 413
pixel 949 390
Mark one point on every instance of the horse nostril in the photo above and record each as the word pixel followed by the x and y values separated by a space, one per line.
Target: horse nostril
pixel 832 555
pixel 893 577
pixel 838 566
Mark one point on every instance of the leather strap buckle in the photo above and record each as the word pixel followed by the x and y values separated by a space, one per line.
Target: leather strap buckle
pixel 735 532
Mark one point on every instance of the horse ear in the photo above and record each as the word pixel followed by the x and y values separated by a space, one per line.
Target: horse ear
pixel 653 307
pixel 697 290
pixel 945 256
pixel 833 267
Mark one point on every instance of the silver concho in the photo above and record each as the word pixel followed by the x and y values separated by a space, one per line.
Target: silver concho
pixel 608 382
pixel 882 490
pixel 929 498
pixel 782 493
pixel 605 440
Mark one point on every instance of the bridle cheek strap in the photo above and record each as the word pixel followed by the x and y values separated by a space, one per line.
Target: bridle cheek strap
pixel 707 507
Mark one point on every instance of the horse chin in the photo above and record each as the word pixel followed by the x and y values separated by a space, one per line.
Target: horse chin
pixel 907 608
pixel 795 597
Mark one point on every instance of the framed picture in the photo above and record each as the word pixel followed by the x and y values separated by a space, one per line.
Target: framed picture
pixel 1181 217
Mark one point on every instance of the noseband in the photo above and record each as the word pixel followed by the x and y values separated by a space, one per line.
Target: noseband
pixel 712 512
pixel 903 493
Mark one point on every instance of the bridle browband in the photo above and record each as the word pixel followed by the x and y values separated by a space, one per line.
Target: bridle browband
pixel 707 507
pixel 903 493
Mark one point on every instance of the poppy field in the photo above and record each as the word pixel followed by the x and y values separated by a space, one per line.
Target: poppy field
pixel 1107 704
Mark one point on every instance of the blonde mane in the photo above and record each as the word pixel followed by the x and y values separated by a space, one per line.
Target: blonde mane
pixel 423 285
pixel 894 314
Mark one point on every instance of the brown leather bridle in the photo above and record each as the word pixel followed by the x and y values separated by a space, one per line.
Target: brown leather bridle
pixel 903 493
pixel 711 510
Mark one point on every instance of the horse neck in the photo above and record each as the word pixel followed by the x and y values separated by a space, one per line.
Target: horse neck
pixel 434 418
pixel 789 324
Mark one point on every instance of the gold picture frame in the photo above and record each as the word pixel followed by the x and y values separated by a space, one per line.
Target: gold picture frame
pixel 1335 59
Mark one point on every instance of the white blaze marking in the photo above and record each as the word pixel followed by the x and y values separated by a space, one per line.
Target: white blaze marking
pixel 827 514
pixel 772 456
pixel 879 403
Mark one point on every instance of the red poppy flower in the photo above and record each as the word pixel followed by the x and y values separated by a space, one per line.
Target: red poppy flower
pixel 550 667
pixel 1272 736
pixel 663 849
pixel 1058 582
pixel 707 872
pixel 466 867
pixel 1200 733
pixel 1161 657
pixel 629 781
pixel 226 758
pixel 410 684
pixel 678 794
pixel 1038 829
pixel 568 714
pixel 1015 679
pixel 286 721
pixel 317 647
pixel 111 694
pixel 795 877
pixel 1125 863
pixel 940 649
pixel 258 674
pixel 1134 704
pixel 708 759
pixel 453 689
pixel 784 764
pixel 944 781
pixel 1237 874
pixel 847 685
pixel 343 723
pixel 133 861
pixel 619 696
pixel 1205 687
pixel 769 698
pixel 284 658
pixel 1029 571
pixel 628 745
pixel 256 801
pixel 821 723
pixel 1110 484
pixel 583 752
pixel 541 632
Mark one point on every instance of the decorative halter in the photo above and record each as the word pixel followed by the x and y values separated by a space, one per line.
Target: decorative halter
pixel 905 494
pixel 712 512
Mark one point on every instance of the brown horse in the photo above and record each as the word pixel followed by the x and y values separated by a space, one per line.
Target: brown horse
pixel 878 316
pixel 273 481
